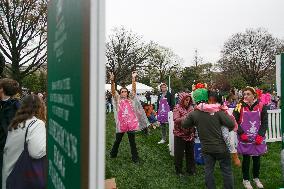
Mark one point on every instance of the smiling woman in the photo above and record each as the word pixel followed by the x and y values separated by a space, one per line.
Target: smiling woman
pixel 252 118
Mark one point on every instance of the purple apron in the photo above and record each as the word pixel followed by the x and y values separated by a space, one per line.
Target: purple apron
pixel 163 111
pixel 251 124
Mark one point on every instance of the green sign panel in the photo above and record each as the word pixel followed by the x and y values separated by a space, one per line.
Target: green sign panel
pixel 68 94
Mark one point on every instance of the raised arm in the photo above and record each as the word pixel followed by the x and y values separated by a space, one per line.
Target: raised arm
pixel 134 74
pixel 112 84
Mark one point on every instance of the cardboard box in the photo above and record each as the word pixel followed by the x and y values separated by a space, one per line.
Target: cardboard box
pixel 110 184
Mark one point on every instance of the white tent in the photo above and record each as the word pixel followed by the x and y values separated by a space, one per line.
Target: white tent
pixel 140 88
pixel 108 87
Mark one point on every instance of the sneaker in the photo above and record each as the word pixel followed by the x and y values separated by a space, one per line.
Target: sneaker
pixel 258 183
pixel 247 184
pixel 162 142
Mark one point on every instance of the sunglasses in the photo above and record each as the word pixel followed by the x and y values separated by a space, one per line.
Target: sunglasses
pixel 123 91
pixel 247 94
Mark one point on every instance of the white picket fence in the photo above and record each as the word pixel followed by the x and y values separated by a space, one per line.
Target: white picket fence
pixel 171 134
pixel 273 133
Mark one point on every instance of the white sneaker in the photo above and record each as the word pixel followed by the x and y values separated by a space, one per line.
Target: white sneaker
pixel 247 184
pixel 258 183
pixel 162 142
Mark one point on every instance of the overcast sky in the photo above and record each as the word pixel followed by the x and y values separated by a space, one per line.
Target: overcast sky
pixel 186 25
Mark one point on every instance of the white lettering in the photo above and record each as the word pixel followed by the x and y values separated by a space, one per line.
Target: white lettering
pixel 67 141
pixel 57 182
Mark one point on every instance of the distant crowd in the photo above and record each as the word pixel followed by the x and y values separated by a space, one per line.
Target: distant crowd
pixel 227 126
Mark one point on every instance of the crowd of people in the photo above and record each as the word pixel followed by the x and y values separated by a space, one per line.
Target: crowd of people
pixel 224 135
pixel 227 126
pixel 22 138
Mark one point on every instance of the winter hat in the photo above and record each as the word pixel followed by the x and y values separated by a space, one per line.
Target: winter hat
pixel 200 93
pixel 182 96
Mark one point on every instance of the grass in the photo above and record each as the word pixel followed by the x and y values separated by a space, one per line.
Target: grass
pixel 157 169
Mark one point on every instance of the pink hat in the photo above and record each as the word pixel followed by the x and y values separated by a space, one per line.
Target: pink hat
pixel 182 96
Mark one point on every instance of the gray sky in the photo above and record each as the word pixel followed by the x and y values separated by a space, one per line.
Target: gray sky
pixel 186 25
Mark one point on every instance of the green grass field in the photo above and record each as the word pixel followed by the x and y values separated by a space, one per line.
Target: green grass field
pixel 157 169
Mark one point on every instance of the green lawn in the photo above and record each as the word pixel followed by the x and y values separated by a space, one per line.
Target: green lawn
pixel 157 169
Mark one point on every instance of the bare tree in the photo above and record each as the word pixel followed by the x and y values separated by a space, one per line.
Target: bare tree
pixel 163 62
pixel 2 64
pixel 125 52
pixel 250 54
pixel 23 35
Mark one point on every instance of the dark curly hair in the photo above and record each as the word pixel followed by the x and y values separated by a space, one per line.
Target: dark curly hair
pixel 216 96
pixel 31 106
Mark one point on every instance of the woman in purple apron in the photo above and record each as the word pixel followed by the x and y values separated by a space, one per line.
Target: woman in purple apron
pixel 165 104
pixel 252 118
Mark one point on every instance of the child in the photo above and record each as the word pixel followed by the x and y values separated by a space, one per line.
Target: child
pixel 151 114
pixel 215 105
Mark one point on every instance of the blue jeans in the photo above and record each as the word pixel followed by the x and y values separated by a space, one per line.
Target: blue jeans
pixel 226 168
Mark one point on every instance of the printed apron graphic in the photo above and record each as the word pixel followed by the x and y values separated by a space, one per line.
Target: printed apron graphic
pixel 163 110
pixel 126 117
pixel 250 125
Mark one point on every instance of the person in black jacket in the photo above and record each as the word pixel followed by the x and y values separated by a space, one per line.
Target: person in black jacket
pixel 165 103
pixel 8 109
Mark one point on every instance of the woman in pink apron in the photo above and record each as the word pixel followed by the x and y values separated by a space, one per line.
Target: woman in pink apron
pixel 129 117
pixel 252 118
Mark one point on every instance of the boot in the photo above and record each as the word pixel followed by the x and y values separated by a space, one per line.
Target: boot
pixel 236 160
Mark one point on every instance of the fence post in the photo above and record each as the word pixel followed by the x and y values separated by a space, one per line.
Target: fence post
pixel 171 134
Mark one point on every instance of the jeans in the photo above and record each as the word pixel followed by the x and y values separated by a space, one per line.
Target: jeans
pixel 226 168
pixel 131 138
pixel 164 130
pixel 246 166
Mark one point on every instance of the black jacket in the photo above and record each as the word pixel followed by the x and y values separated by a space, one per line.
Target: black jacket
pixel 8 110
pixel 170 99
